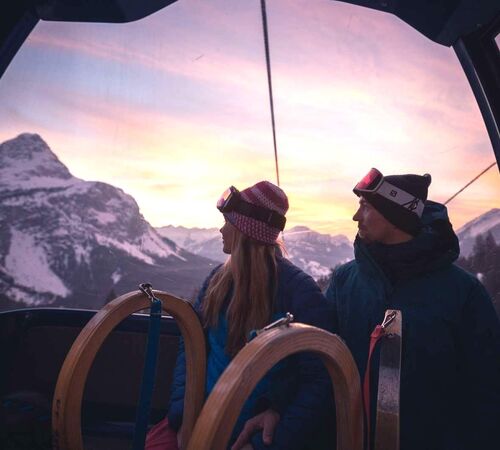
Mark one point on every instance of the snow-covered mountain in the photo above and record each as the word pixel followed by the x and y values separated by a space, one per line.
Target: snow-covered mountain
pixel 206 242
pixel 69 242
pixel 66 241
pixel 314 252
pixel 488 222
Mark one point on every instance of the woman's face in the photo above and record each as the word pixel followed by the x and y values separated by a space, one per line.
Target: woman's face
pixel 228 232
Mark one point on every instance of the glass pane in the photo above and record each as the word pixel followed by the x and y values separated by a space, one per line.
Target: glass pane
pixel 171 110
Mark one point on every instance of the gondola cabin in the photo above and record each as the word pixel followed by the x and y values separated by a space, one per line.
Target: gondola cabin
pixel 75 352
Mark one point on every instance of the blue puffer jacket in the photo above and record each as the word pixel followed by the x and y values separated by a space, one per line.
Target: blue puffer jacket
pixel 299 389
pixel 450 374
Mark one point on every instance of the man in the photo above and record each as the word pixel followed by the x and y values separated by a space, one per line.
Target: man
pixel 450 367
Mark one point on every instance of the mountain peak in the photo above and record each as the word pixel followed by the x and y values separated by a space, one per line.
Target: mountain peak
pixel 69 240
pixel 298 228
pixel 26 147
pixel 27 162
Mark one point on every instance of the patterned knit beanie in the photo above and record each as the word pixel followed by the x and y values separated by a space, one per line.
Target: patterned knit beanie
pixel 266 195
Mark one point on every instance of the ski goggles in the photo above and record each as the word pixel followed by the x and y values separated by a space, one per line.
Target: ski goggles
pixel 231 201
pixel 375 183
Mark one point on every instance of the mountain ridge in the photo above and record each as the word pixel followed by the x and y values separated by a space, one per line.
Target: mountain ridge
pixel 314 252
pixel 85 239
pixel 488 222
pixel 317 253
pixel 88 242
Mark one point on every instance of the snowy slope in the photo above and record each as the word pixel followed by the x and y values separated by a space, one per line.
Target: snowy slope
pixel 314 252
pixel 70 241
pixel 206 242
pixel 188 238
pixel 488 222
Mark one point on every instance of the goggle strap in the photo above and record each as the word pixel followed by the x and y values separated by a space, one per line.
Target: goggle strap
pixel 265 215
pixel 401 197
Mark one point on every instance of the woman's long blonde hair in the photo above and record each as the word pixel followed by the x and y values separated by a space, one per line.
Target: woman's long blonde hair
pixel 251 271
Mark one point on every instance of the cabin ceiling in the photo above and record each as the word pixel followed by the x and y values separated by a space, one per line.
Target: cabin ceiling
pixel 443 21
pixel 114 11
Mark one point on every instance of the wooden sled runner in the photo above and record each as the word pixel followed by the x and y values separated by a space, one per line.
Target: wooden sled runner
pixel 213 430
pixel 67 403
pixel 212 427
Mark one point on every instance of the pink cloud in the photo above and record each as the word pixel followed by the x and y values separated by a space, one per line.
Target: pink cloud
pixel 414 112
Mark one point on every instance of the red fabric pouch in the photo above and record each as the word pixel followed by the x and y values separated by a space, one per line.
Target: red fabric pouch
pixel 161 437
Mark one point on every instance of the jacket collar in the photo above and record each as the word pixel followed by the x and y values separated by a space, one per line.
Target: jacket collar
pixel 435 247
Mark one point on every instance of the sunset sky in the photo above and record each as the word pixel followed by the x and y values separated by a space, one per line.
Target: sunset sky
pixel 174 108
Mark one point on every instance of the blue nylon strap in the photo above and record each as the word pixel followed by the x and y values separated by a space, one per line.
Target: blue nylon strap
pixel 148 376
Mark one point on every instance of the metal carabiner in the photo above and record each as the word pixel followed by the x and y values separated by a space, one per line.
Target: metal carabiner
pixel 284 321
pixel 147 289
pixel 388 319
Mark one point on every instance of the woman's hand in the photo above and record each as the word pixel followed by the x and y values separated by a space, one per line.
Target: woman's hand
pixel 265 421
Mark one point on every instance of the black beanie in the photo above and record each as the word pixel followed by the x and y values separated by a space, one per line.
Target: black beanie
pixel 401 217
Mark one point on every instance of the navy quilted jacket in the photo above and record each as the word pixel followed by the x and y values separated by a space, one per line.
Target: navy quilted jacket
pixel 450 375
pixel 300 388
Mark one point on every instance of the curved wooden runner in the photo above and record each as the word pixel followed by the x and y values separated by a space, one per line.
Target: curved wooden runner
pixel 222 408
pixel 67 403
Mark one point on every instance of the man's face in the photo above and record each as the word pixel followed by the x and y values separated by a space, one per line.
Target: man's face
pixel 372 226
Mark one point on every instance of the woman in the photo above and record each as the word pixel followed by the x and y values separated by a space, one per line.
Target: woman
pixel 255 286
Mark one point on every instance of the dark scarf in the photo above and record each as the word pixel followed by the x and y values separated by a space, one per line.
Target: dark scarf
pixel 434 248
